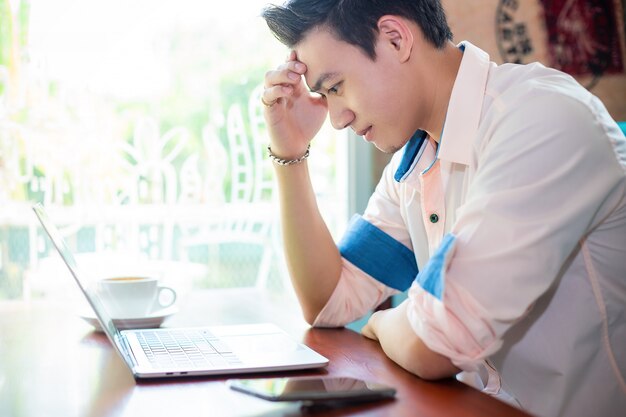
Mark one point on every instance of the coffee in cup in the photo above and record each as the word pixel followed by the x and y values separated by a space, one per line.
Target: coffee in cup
pixel 133 296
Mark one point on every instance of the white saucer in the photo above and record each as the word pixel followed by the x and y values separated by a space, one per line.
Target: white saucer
pixel 155 319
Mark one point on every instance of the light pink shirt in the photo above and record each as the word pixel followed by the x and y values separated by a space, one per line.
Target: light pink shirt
pixel 530 181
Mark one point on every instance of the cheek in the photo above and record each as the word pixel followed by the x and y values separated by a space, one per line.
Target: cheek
pixel 384 108
pixel 385 88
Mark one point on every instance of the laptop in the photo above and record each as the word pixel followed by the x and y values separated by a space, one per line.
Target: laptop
pixel 175 352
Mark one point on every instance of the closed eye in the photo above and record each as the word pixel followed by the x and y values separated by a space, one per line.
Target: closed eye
pixel 334 89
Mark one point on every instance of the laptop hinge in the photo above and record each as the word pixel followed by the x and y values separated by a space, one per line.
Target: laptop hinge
pixel 126 349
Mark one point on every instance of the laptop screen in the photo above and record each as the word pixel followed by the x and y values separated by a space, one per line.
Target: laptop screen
pixel 88 288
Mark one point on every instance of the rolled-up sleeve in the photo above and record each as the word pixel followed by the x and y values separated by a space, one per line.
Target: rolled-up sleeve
pixel 540 185
pixel 378 260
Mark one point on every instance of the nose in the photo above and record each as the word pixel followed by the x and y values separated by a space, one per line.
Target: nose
pixel 340 116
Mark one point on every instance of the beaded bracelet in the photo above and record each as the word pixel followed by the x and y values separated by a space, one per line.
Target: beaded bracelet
pixel 285 162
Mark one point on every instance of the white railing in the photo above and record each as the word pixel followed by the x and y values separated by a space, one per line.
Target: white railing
pixel 148 199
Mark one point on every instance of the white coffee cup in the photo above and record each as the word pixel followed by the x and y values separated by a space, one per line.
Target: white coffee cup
pixel 133 296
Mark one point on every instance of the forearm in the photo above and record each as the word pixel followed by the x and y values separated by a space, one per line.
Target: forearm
pixel 400 343
pixel 408 351
pixel 312 257
pixel 294 116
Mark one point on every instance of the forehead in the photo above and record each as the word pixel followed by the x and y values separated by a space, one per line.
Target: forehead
pixel 324 54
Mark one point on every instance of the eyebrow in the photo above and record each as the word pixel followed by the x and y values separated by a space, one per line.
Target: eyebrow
pixel 321 80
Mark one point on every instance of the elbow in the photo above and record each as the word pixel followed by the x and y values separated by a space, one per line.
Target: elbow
pixel 310 315
pixel 433 373
pixel 309 318
pixel 427 364
pixel 311 311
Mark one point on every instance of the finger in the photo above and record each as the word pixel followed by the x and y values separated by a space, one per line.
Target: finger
pixel 368 332
pixel 287 73
pixel 272 94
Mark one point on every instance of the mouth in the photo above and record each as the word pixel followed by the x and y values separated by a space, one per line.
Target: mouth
pixel 366 134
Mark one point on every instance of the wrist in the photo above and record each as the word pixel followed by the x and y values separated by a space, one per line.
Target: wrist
pixel 285 161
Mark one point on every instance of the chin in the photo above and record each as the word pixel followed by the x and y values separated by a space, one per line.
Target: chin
pixel 389 149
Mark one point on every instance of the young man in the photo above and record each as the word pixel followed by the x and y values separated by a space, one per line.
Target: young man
pixel 507 191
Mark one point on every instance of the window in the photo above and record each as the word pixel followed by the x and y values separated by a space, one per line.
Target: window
pixel 138 125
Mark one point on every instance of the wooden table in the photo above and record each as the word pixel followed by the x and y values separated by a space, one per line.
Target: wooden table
pixel 53 364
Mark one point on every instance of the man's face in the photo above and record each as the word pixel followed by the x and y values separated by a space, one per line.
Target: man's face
pixel 371 97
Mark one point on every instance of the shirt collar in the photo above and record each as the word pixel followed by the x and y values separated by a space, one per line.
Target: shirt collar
pixel 465 106
pixel 412 153
pixel 462 117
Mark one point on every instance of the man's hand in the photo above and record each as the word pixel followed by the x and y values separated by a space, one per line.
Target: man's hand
pixel 293 114
pixel 398 339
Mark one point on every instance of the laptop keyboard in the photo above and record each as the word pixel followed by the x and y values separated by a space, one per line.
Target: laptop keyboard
pixel 186 349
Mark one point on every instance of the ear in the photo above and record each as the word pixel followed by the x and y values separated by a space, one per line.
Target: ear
pixel 395 33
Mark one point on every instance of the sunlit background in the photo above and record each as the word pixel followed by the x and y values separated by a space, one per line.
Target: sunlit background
pixel 137 124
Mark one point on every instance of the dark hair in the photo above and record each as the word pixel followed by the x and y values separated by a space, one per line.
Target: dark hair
pixel 354 21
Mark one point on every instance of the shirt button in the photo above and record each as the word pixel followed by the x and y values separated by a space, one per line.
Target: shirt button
pixel 434 218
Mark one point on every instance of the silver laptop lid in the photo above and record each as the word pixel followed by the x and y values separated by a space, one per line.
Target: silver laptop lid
pixel 87 287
